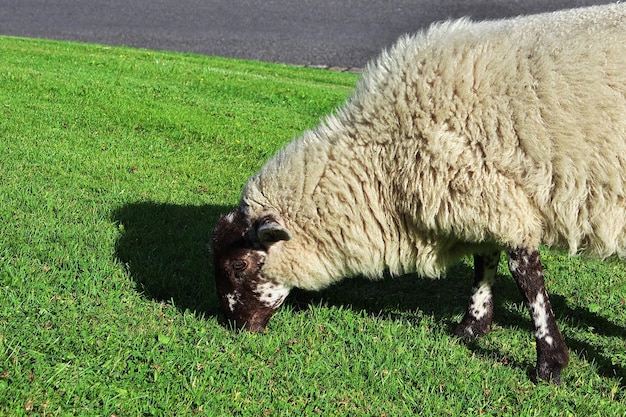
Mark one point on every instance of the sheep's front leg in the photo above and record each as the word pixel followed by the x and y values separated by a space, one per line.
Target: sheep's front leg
pixel 552 354
pixel 479 314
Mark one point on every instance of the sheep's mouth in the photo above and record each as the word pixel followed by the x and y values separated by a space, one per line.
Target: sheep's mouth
pixel 252 306
pixel 252 320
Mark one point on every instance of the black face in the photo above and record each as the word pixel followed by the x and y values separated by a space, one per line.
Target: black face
pixel 245 297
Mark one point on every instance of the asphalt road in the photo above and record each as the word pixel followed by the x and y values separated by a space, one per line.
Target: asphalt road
pixel 345 33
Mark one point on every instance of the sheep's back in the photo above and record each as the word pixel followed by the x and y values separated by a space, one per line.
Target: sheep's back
pixel 496 129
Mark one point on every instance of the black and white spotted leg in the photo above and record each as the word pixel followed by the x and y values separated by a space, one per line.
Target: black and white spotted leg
pixel 552 353
pixel 479 314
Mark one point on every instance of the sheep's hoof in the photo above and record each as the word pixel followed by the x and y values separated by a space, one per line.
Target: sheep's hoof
pixel 548 373
pixel 471 328
pixel 549 366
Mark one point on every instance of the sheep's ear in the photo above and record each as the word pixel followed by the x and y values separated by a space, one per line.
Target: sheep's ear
pixel 270 232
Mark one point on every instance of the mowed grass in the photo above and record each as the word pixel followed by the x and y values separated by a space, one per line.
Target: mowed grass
pixel 115 164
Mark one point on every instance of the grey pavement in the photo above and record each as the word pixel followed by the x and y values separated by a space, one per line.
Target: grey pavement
pixel 344 33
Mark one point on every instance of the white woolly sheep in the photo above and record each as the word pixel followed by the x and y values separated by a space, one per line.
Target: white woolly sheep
pixel 467 138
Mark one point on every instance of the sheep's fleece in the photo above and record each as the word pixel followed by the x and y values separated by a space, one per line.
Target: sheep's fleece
pixel 466 138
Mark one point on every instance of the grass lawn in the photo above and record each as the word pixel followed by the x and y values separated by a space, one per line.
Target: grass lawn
pixel 115 164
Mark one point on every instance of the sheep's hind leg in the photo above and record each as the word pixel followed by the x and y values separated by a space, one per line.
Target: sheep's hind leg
pixel 479 314
pixel 552 354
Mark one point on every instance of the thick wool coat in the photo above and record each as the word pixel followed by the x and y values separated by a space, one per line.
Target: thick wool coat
pixel 467 137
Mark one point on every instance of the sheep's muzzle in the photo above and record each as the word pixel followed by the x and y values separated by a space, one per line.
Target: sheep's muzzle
pixel 246 298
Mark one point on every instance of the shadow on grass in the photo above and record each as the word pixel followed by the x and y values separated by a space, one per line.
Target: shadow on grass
pixel 165 248
pixel 446 299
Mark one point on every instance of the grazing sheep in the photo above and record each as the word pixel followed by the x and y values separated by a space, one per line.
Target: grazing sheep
pixel 467 138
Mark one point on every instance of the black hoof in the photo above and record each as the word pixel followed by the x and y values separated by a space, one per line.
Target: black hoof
pixel 548 373
pixel 471 329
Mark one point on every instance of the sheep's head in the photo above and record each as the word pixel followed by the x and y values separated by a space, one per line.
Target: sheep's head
pixel 239 250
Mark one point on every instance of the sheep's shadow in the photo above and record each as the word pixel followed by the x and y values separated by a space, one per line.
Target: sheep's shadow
pixel 165 250
pixel 446 300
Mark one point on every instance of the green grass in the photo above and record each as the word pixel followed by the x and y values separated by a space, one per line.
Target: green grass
pixel 115 164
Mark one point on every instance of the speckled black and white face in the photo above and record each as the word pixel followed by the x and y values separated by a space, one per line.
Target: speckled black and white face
pixel 239 251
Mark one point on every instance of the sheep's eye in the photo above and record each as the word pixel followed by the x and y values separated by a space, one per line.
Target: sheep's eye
pixel 239 265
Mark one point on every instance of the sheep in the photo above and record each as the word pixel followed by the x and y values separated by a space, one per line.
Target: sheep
pixel 468 138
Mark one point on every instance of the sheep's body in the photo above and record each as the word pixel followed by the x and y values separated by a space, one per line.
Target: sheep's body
pixel 511 133
pixel 466 138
